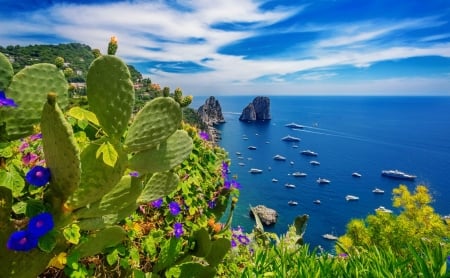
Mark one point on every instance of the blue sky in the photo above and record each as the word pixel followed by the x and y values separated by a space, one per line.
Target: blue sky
pixel 317 47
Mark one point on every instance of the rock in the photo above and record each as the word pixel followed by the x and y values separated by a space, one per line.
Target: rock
pixel 267 215
pixel 211 115
pixel 257 110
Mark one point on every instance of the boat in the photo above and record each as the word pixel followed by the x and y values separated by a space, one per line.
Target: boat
pixel 295 146
pixel 294 125
pixel 238 153
pixel 255 171
pixel 317 202
pixel 383 209
pixel 351 198
pixel 279 157
pixel 289 185
pixel 241 163
pixel 313 162
pixel 274 180
pixel 292 203
pixel 244 138
pixel 356 174
pixel 309 153
pixel 290 138
pixel 330 237
pixel 292 162
pixel 378 191
pixel 322 181
pixel 299 174
pixel 396 174
pixel 251 148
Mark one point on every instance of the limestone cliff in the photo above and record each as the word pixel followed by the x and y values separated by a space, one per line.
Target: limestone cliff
pixel 257 110
pixel 210 114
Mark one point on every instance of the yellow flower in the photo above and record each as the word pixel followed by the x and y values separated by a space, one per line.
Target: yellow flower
pixel 58 261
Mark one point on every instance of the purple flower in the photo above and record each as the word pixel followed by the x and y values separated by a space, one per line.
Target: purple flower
pixel 134 174
pixel 235 184
pixel 4 101
pixel 38 176
pixel 211 204
pixel 157 203
pixel 174 208
pixel 227 184
pixel 224 169
pixel 178 229
pixel 244 240
pixel 233 243
pixel 36 136
pixel 22 241
pixel 41 224
pixel 29 159
pixel 204 135
pixel 23 146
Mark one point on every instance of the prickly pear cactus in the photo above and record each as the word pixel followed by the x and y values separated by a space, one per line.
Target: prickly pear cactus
pixel 29 89
pixel 6 72
pixel 110 93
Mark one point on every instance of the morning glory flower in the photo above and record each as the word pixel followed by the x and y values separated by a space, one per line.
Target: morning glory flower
pixel 178 229
pixel 41 224
pixel 36 136
pixel 38 176
pixel 244 240
pixel 227 184
pixel 174 208
pixel 29 158
pixel 211 204
pixel 134 174
pixel 203 135
pixel 4 101
pixel 233 243
pixel 22 241
pixel 157 203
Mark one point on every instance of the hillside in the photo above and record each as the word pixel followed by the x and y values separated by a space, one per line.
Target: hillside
pixel 77 56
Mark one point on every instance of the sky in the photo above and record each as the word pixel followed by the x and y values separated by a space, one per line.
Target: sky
pixel 255 47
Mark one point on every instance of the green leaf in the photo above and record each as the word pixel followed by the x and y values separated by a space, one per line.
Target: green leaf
pixel 112 257
pixel 20 207
pixel 83 114
pixel 109 153
pixel 34 207
pixel 47 242
pixel 72 233
pixel 13 181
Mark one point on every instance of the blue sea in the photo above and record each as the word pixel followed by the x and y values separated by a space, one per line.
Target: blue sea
pixel 350 134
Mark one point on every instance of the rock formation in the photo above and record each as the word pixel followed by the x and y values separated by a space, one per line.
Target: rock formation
pixel 211 115
pixel 267 215
pixel 257 110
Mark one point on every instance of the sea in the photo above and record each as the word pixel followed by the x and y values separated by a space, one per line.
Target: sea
pixel 363 134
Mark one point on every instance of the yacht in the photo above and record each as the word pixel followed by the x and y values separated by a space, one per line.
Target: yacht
pixel 309 153
pixel 383 209
pixel 241 164
pixel 255 171
pixel 292 203
pixel 313 162
pixel 289 185
pixel 356 174
pixel 351 198
pixel 238 153
pixel 251 147
pixel 299 174
pixel 330 237
pixel 274 180
pixel 279 157
pixel 396 174
pixel 290 138
pixel 378 191
pixel 322 181
pixel 317 202
pixel 294 125
pixel 292 162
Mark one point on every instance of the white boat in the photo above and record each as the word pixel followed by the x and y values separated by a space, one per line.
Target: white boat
pixel 396 174
pixel 295 146
pixel 294 125
pixel 317 202
pixel 289 185
pixel 274 180
pixel 292 203
pixel 330 237
pixel 241 164
pixel 322 181
pixel 309 153
pixel 356 174
pixel 290 138
pixel 299 174
pixel 292 162
pixel 351 198
pixel 251 147
pixel 279 157
pixel 313 162
pixel 378 191
pixel 383 209
pixel 255 171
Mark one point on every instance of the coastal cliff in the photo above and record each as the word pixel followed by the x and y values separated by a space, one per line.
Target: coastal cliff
pixel 257 110
pixel 210 113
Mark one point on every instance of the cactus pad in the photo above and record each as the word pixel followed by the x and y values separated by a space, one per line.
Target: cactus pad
pixel 6 72
pixel 60 149
pixel 159 185
pixel 6 200
pixel 29 89
pixel 164 157
pixel 96 242
pixel 153 124
pixel 110 93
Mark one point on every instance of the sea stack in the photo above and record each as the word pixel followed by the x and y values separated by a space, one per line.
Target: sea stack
pixel 211 115
pixel 257 110
pixel 267 215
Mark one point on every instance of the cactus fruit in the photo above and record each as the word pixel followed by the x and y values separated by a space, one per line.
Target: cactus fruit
pixel 60 149
pixel 29 89
pixel 164 156
pixel 153 124
pixel 6 72
pixel 110 94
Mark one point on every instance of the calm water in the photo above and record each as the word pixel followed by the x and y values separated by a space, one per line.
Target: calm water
pixel 350 134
